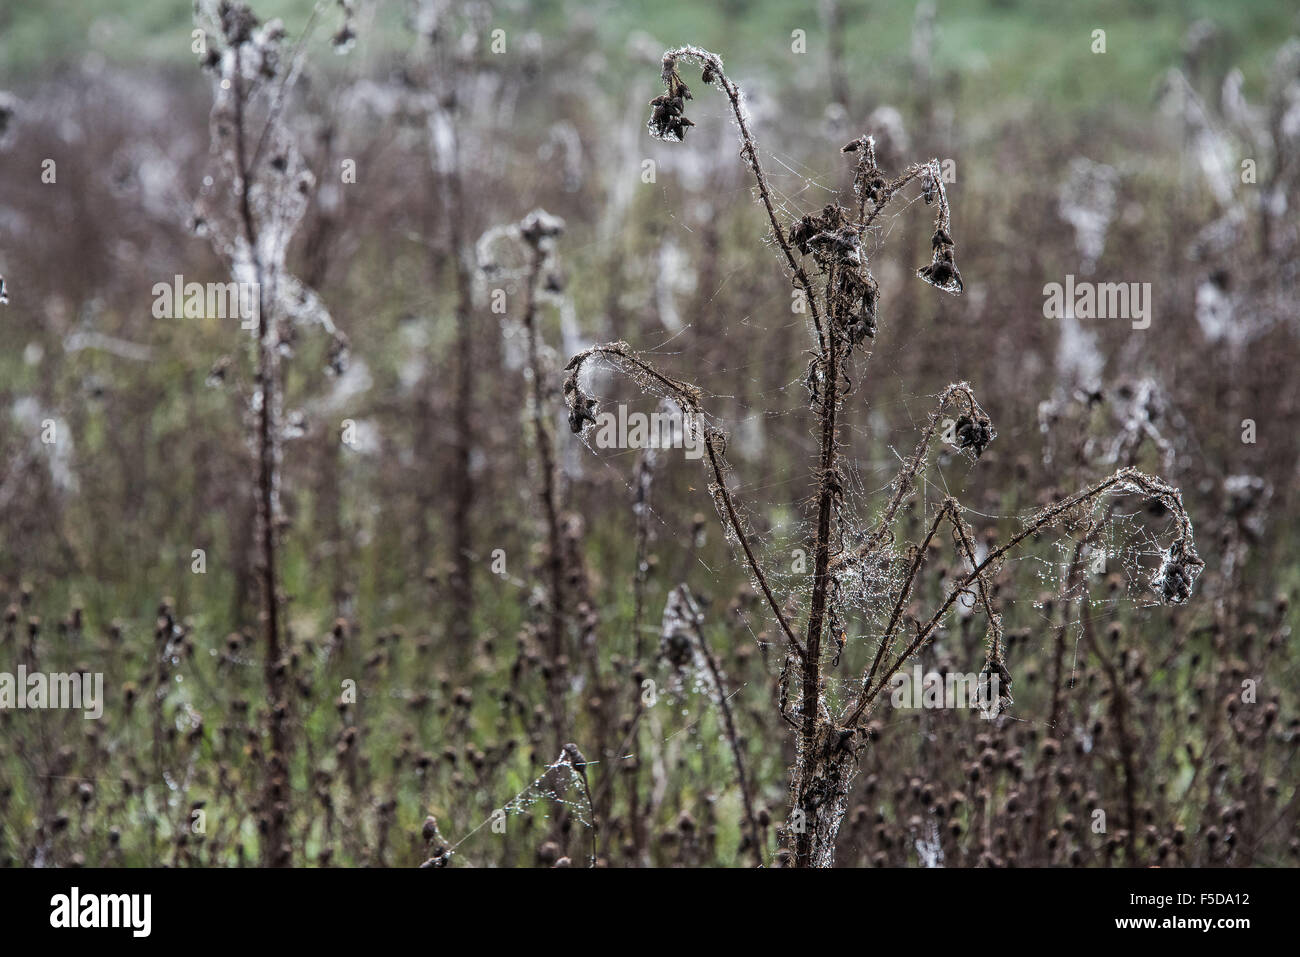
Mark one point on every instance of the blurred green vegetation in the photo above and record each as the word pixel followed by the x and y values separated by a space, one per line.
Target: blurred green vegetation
pixel 1005 51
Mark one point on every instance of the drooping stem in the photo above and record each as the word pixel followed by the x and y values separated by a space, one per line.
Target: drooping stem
pixel 749 151
pixel 687 398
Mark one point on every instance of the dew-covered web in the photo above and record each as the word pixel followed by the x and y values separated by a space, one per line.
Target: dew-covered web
pixel 778 523
pixel 559 784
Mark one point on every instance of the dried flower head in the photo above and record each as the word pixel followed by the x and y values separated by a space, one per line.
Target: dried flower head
pixel 667 118
pixel 539 227
pixel 237 22
pixel 861 294
pixel 345 38
pixel 974 432
pixel 582 407
pixel 574 757
pixel 1179 568
pixel 942 272
pixel 995 668
pixel 8 110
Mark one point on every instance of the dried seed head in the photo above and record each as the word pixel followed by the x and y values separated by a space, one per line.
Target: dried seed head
pixel 667 119
pixel 582 407
pixel 8 109
pixel 802 232
pixel 237 22
pixel 1179 568
pixel 539 226
pixel 667 122
pixel 830 237
pixel 974 432
pixel 999 669
pixel 942 272
pixel 929 189
pixel 574 757
pixel 548 853
pixel 861 294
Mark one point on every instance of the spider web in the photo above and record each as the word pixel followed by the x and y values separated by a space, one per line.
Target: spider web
pixel 778 522
pixel 777 519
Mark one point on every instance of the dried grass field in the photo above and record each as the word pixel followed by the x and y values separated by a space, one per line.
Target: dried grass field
pixel 548 434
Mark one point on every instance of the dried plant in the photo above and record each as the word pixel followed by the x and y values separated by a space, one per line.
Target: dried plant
pixel 253 200
pixel 535 238
pixel 449 72
pixel 826 258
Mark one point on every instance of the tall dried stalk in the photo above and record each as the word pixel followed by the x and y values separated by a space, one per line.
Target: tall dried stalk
pixel 451 63
pixel 250 210
pixel 694 621
pixel 538 231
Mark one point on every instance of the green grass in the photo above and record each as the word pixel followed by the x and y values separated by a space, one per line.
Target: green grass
pixel 1001 52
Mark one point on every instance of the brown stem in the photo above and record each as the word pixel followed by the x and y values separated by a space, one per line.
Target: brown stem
pixel 550 504
pixel 749 150
pixel 687 398
pixel 276 791
pixel 827 488
pixel 1127 748
pixel 729 726
pixel 462 487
